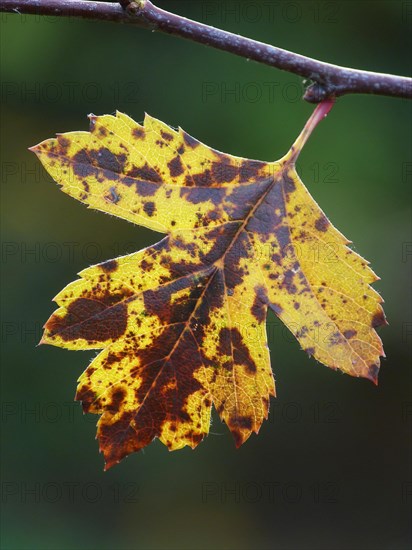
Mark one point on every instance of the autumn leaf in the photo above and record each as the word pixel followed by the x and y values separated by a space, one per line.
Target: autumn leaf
pixel 181 324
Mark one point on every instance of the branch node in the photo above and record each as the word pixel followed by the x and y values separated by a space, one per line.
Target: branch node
pixel 134 8
pixel 317 92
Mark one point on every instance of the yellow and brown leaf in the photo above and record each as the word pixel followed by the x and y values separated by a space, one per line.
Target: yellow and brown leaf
pixel 181 324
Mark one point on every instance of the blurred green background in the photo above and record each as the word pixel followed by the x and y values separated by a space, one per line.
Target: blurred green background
pixel 330 469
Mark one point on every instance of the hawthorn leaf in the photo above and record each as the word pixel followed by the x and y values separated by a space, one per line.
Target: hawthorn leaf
pixel 181 324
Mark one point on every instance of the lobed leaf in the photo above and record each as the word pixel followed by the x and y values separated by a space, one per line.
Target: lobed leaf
pixel 181 324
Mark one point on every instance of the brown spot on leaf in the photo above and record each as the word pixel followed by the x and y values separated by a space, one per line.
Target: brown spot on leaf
pixel 249 169
pixel 224 173
pixel 259 305
pixel 107 160
pixel 138 133
pixel 241 353
pixel 159 302
pixel 288 282
pixel 190 141
pixel 203 179
pixel 90 320
pixel 149 208
pixel 322 224
pixel 82 165
pixel 87 396
pixel 289 184
pixel 145 172
pixel 166 135
pixel 109 266
pixel 244 422
pixel 117 396
pixel 175 167
pixel 379 319
pixel 143 188
pixel 64 144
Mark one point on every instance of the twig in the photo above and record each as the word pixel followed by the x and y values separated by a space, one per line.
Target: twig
pixel 327 80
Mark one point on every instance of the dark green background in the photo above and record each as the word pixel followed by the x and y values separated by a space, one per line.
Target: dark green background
pixel 330 470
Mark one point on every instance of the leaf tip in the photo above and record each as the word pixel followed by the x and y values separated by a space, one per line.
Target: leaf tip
pixel 240 436
pixel 107 466
pixel 109 462
pixel 373 374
